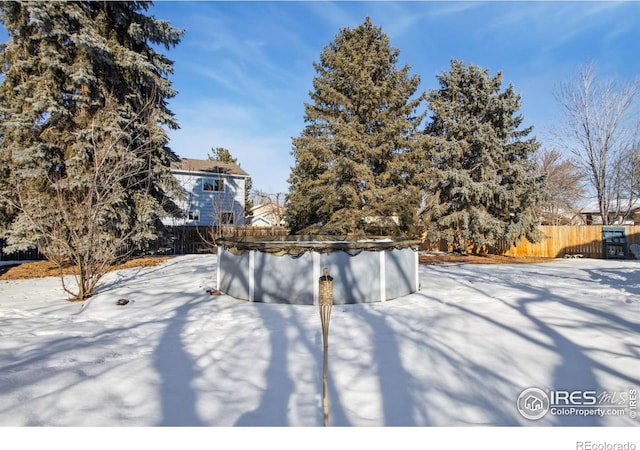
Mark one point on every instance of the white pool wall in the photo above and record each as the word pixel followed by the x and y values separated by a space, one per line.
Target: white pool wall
pixel 365 276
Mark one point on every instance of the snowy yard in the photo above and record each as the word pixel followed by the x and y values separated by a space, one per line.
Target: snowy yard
pixel 457 353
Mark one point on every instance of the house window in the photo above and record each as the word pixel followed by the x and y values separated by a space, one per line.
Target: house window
pixel 226 218
pixel 213 185
pixel 194 215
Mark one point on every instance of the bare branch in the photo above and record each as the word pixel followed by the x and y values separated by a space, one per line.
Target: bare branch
pixel 597 128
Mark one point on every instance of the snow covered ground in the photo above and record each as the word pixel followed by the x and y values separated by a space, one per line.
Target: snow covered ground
pixel 457 353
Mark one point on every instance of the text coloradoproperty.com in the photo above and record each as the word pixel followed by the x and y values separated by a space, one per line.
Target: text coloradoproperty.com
pixel 573 411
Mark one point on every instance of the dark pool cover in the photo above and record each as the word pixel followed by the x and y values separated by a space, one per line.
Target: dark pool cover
pixel 296 245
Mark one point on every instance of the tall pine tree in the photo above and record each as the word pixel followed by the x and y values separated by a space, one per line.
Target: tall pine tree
pixel 485 188
pixel 84 149
pixel 352 167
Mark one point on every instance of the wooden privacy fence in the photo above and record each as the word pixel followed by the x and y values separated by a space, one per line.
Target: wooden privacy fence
pixel 185 240
pixel 25 255
pixel 175 241
pixel 561 241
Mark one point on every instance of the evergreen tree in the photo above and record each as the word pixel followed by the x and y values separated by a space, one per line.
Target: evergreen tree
pixel 6 213
pixel 352 172
pixel 84 102
pixel 484 189
pixel 222 154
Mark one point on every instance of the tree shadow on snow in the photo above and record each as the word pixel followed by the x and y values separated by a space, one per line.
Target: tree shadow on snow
pixel 175 367
pixel 274 403
pixel 394 379
pixel 576 369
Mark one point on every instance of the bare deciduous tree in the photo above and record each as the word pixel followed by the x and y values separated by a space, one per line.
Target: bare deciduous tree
pixel 623 189
pixel 222 221
pixel 597 128
pixel 564 185
pixel 632 169
pixel 80 220
pixel 84 155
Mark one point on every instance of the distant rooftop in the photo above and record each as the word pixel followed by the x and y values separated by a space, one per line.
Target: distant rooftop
pixel 206 165
pixel 614 206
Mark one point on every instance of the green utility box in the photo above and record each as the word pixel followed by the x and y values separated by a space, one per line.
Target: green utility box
pixel 614 243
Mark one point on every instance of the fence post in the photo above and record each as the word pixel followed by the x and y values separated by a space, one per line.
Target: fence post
pixel 326 300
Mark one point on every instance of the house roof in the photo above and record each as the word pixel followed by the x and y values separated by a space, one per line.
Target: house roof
pixel 206 165
pixel 267 207
pixel 594 208
pixel 257 220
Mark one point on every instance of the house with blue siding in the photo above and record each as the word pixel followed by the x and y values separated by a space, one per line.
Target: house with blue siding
pixel 214 193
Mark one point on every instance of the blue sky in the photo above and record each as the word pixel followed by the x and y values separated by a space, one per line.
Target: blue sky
pixel 244 69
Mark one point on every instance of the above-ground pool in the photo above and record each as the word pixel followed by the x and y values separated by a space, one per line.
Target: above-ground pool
pixel 288 269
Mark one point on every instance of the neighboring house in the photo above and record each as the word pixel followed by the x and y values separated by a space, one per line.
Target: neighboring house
pixel 552 215
pixel 214 192
pixel 267 214
pixel 623 212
